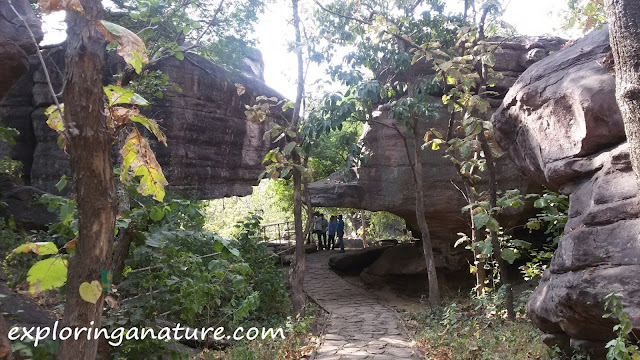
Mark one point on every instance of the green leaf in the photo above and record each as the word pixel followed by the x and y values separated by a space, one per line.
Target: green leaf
pixel 481 219
pixel 151 125
pixel 119 95
pixel 47 274
pixel 90 292
pixel 179 55
pixel 62 182
pixel 509 255
pixel 492 224
pixel 55 117
pixel 289 147
pixel 156 214
pixel 40 248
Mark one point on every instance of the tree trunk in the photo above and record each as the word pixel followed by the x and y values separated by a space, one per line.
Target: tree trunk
pixel 298 298
pixel 427 247
pixel 88 144
pixel 363 222
pixel 495 242
pixel 307 199
pixel 624 33
pixel 123 240
pixel 481 272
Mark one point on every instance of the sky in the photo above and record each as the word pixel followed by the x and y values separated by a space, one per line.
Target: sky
pixel 539 17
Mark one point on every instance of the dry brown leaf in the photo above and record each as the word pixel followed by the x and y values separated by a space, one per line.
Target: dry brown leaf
pixel 130 46
pixel 71 243
pixel 49 6
pixel 112 302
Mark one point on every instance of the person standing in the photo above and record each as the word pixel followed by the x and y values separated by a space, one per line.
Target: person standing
pixel 317 228
pixel 325 227
pixel 340 232
pixel 332 232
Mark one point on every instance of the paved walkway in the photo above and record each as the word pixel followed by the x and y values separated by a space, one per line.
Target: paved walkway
pixel 359 327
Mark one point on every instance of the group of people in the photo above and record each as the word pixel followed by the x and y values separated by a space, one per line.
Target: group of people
pixel 335 226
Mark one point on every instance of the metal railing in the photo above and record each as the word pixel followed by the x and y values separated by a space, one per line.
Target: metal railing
pixel 279 232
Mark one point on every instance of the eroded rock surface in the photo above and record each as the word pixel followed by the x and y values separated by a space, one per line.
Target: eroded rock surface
pixel 212 152
pixel 16 42
pixel 561 125
pixel 385 183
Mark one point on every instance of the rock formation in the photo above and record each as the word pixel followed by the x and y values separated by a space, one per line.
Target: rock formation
pixel 385 182
pixel 212 152
pixel 16 42
pixel 561 125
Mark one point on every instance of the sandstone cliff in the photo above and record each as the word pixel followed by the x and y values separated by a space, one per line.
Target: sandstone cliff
pixel 561 125
pixel 212 152
pixel 385 182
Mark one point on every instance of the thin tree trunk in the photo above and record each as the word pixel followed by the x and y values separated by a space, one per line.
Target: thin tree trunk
pixel 481 272
pixel 307 199
pixel 123 240
pixel 363 222
pixel 298 298
pixel 497 251
pixel 624 33
pixel 427 247
pixel 88 144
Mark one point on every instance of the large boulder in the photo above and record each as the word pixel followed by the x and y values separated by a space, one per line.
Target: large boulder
pixel 13 29
pixel 213 150
pixel 561 125
pixel 405 264
pixel 355 261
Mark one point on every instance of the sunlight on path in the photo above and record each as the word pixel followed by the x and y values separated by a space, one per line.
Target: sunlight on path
pixel 359 327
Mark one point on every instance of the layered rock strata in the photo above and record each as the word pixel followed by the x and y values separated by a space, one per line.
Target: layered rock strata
pixel 561 125
pixel 212 152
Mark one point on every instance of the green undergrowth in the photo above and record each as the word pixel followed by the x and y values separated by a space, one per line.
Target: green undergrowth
pixel 299 341
pixel 474 329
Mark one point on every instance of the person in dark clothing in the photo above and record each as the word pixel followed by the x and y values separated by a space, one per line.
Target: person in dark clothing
pixel 340 232
pixel 333 224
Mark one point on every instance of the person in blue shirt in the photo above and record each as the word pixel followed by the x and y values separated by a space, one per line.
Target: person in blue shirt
pixel 333 224
pixel 340 232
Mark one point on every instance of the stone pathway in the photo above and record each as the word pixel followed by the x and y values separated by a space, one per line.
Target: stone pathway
pixel 359 327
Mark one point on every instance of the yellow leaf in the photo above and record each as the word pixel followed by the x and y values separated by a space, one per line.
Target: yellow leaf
pixel 48 6
pixel 54 117
pixel 130 46
pixel 138 158
pixel 90 292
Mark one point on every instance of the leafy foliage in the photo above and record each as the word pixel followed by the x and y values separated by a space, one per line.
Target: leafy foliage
pixel 179 272
pixel 473 329
pixel 619 348
pixel 552 218
pixel 219 30
pixel 585 15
